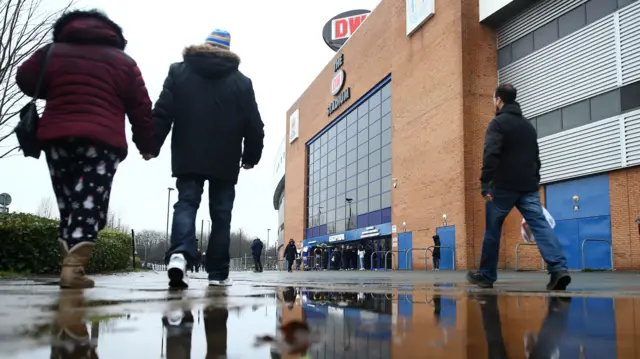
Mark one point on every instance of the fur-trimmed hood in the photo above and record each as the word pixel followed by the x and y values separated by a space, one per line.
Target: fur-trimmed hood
pixel 210 61
pixel 88 27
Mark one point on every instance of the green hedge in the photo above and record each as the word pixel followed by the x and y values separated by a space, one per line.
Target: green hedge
pixel 28 244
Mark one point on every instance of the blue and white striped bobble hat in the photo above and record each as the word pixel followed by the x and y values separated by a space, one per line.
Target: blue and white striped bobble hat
pixel 219 38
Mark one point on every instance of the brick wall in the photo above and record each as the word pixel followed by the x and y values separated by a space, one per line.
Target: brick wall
pixel 624 192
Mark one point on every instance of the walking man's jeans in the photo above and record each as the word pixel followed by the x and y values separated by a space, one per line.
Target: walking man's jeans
pixel 257 263
pixel 436 262
pixel 289 265
pixel 183 232
pixel 531 209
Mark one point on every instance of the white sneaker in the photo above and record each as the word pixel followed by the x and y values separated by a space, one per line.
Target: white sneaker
pixel 221 283
pixel 177 271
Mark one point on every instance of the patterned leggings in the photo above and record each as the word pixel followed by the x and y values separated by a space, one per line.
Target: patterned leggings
pixel 81 173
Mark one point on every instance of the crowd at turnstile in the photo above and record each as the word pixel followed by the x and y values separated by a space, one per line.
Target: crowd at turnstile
pixel 344 257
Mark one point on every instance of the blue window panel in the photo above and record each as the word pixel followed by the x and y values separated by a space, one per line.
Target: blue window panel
pixel 375 218
pixel 363 220
pixel 386 215
pixel 322 230
pixel 309 233
pixel 315 232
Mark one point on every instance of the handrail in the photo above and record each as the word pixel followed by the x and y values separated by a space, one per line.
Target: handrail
pixel 584 241
pixel 372 254
pixel 391 252
pixel 410 250
pixel 453 253
pixel 518 255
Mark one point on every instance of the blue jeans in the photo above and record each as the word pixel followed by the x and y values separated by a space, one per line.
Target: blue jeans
pixel 531 209
pixel 183 230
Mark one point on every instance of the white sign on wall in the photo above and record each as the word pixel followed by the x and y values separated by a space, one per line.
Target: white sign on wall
pixel 490 7
pixel 294 125
pixel 418 12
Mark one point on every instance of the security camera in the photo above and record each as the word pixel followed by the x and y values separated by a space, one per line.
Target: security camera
pixel 395 184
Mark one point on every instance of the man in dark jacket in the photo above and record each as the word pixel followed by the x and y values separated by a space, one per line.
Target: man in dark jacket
pixel 436 252
pixel 290 252
pixel 217 130
pixel 511 178
pixel 256 251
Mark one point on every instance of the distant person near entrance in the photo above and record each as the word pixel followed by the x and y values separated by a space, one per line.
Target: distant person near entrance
pixel 436 252
pixel 290 254
pixel 217 130
pixel 256 252
pixel 511 178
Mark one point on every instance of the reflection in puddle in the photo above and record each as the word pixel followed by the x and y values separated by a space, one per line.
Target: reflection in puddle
pixel 305 323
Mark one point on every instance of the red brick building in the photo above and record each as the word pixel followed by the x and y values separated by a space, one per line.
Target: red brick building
pixel 394 155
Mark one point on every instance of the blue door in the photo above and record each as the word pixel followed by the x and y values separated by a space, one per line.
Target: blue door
pixel 447 239
pixel 587 218
pixel 405 242
pixel 591 329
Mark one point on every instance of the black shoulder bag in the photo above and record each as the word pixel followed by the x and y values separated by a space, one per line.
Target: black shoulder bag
pixel 27 128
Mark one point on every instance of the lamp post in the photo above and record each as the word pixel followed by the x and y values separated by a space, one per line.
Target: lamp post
pixel 266 257
pixel 169 189
pixel 348 200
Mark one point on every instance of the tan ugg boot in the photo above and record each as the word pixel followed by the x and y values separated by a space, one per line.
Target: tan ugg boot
pixel 64 247
pixel 73 275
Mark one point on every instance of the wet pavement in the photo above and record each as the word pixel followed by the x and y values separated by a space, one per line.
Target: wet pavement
pixel 324 315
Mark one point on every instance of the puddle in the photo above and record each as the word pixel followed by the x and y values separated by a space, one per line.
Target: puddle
pixel 310 323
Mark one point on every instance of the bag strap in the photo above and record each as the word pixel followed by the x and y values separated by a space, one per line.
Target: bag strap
pixel 43 70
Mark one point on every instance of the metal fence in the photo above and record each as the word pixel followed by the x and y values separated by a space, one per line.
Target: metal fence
pixel 245 263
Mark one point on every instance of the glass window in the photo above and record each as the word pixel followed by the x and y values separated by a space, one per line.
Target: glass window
pixel 504 56
pixel 375 114
pixel 323 196
pixel 331 228
pixel 363 207
pixel 374 173
pixel 323 161
pixel 386 137
pixel 605 105
pixel 623 3
pixel 386 168
pixel 374 203
pixel 331 203
pixel 352 118
pixel 352 156
pixel 351 194
pixel 385 200
pixel 385 183
pixel 572 21
pixel 331 216
pixel 341 212
pixel 363 192
pixel 597 9
pixel 545 35
pixel 340 226
pixel 341 150
pixel 363 150
pixel 363 164
pixel 549 123
pixel 363 123
pixel 323 150
pixel 323 139
pixel 342 137
pixel 332 156
pixel 576 115
pixel 352 170
pixel 323 184
pixel 331 191
pixel 374 188
pixel 386 106
pixel 363 109
pixel 341 174
pixel 341 188
pixel 522 47
pixel 374 158
pixel 341 162
pixel 323 173
pixel 331 180
pixel 363 179
pixel 363 136
pixel 385 153
pixel 374 100
pixel 341 125
pixel 374 129
pixel 386 91
pixel 352 130
pixel 352 144
pixel 331 144
pixel 630 97
pixel 386 121
pixel 332 132
pixel 374 143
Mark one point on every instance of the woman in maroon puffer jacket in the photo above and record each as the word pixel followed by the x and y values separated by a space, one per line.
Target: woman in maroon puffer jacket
pixel 90 84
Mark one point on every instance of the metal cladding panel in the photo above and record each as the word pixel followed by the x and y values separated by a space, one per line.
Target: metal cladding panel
pixel 572 69
pixel 585 150
pixel 533 18
pixel 632 138
pixel 629 19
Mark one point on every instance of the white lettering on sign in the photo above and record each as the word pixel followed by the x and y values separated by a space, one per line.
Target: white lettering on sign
pixel 394 229
pixel 337 237
pixel 337 82
pixel 345 27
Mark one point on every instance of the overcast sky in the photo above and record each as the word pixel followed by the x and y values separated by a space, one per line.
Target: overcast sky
pixel 282 51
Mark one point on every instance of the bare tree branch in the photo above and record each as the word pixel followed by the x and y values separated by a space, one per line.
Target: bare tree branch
pixel 46 208
pixel 26 26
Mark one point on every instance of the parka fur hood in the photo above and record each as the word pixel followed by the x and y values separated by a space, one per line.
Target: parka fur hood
pixel 211 61
pixel 88 27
